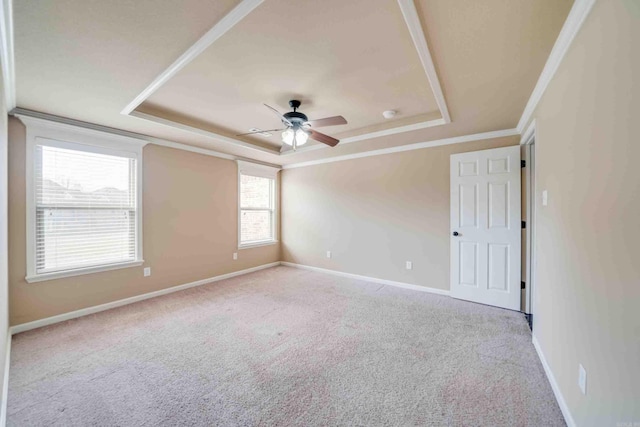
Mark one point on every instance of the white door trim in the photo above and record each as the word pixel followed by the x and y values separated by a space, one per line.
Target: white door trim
pixel 528 141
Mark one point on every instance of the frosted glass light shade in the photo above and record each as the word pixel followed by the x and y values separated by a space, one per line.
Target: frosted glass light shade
pixel 287 136
pixel 301 137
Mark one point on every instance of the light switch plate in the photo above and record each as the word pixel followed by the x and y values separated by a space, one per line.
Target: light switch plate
pixel 582 379
pixel 235 255
pixel 409 265
pixel 328 254
pixel 147 271
pixel 545 198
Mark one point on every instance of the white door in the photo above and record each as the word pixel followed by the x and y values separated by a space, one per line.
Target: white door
pixel 485 227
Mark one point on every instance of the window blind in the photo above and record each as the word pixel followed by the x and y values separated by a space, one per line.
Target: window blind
pixel 86 209
pixel 257 210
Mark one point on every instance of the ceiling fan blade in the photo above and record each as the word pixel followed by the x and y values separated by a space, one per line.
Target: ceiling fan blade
pixel 283 118
pixel 328 121
pixel 325 139
pixel 260 131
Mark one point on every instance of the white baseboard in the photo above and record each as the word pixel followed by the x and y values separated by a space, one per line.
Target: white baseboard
pixel 554 385
pixel 369 279
pixel 102 307
pixel 5 382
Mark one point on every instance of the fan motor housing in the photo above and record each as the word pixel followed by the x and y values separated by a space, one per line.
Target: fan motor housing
pixel 296 117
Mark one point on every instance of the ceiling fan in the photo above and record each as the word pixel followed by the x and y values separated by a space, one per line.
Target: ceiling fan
pixel 299 128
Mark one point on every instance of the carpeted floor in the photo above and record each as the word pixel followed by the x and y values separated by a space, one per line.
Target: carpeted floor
pixel 283 347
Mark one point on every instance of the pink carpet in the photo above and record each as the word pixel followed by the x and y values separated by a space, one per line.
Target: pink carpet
pixel 283 347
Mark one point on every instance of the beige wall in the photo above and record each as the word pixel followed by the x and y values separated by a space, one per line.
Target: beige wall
pixel 587 298
pixel 374 214
pixel 189 233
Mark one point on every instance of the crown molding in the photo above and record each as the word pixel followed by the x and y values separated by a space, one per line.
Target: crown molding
pixel 409 147
pixel 200 131
pixel 25 114
pixel 571 27
pixel 393 131
pixel 577 15
pixel 66 128
pixel 371 135
pixel 243 9
pixel 528 137
pixel 412 20
pixel 7 59
pixel 50 118
pixel 218 30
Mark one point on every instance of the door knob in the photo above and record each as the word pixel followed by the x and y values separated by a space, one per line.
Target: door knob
pixel 455 233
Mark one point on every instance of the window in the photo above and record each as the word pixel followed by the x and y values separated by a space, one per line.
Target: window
pixel 257 208
pixel 83 202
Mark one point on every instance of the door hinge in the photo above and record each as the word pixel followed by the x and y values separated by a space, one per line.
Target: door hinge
pixel 524 224
pixel 523 163
pixel 522 285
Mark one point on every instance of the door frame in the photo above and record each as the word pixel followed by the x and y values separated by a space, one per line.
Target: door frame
pixel 527 143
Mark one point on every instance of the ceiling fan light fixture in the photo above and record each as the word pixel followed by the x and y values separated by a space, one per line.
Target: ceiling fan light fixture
pixel 298 127
pixel 287 136
pixel 301 137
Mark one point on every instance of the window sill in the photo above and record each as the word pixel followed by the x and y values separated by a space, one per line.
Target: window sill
pixel 257 244
pixel 81 271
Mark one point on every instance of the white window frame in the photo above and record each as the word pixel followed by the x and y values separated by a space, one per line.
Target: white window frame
pixel 262 171
pixel 63 135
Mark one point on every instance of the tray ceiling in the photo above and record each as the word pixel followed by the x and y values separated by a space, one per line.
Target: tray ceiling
pixel 355 59
pixel 89 59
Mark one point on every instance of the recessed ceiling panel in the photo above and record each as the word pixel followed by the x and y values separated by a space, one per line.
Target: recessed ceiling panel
pixel 352 58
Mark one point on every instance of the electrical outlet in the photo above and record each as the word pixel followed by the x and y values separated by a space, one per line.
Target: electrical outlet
pixel 328 254
pixel 235 256
pixel 582 379
pixel 147 271
pixel 545 198
pixel 409 265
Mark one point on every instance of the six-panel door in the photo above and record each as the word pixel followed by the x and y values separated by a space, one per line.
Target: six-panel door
pixel 485 215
